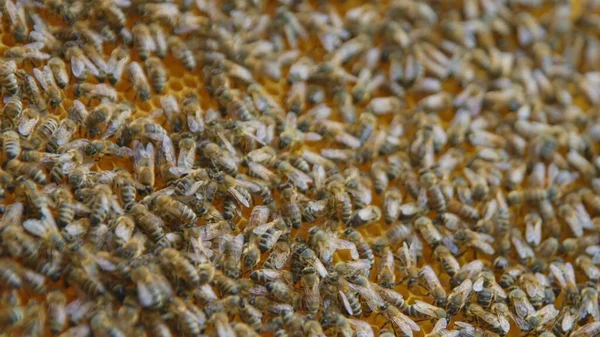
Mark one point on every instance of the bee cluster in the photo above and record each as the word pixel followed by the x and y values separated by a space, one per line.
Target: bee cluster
pixel 389 168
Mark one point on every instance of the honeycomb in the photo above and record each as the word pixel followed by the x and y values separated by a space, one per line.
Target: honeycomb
pixel 579 116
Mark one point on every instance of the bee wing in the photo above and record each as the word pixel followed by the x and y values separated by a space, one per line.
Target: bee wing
pixel 345 303
pixel 478 285
pixel 569 272
pixel 237 245
pixel 523 308
pixel 144 295
pixel 77 66
pixel 11 9
pixel 588 306
pixel 280 259
pixel 90 66
pixel 440 325
pixel 405 324
pixel 548 313
pixel 504 323
pixel 39 75
pixel 168 150
pixel 261 229
pixel 568 321
pixel 169 105
pixel 426 308
pixel 318 265
pixel 464 288
pixel 558 274
pixel 195 122
pixel 344 244
pixel 261 171
pixel 186 157
pixel 523 324
pixel 313 137
pixel 361 328
pixel 26 125
pixel 238 196
pixel 499 291
pixel 226 143
pixel 35 227
pixel 373 299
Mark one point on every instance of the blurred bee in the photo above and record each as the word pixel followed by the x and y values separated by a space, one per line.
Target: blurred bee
pixel 115 67
pixel 11 144
pixel 152 291
pixel 142 40
pixel 155 324
pixel 586 264
pixel 36 319
pixel 8 79
pixel 459 296
pixel 392 200
pixel 99 91
pixel 172 211
pixel 386 276
pixel 157 73
pixel 429 232
pixel 379 176
pixel 219 158
pixel 481 241
pixel 311 298
pixel 511 275
pixel 429 279
pixel 59 72
pixel 408 261
pixel 182 269
pixel 33 92
pixel 565 276
pixel 143 161
pixel 538 319
pixel 30 170
pixel 533 195
pixel 47 231
pixel 88 284
pixel 589 304
pixel 477 312
pixel 399 320
pixel 291 209
pixel 102 325
pixel 487 288
pixel 57 314
pixel 181 52
pixel 139 81
pixel 343 203
pixel 18 22
pixel 279 256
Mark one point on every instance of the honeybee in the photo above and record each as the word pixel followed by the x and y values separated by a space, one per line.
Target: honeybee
pixel 399 320
pixel 468 270
pixel 586 264
pixel 99 91
pixel 588 330
pixel 97 60
pixel 8 79
pixel 57 314
pixel 143 160
pixel 477 312
pixel 102 325
pixel 565 276
pixel 459 296
pixel 157 74
pixel 430 280
pixel 180 267
pixel 219 158
pixel 181 52
pixel 139 81
pixel 46 230
pixel 408 261
pixel 326 243
pixel 11 144
pixel 30 170
pixel 152 290
pixel 172 210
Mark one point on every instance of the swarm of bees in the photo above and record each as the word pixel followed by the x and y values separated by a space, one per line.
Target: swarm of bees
pixel 389 168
